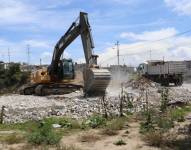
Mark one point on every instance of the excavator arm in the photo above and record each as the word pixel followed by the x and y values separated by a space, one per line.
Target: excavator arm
pixel 82 28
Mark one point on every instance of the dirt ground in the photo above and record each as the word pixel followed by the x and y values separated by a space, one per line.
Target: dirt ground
pixel 132 139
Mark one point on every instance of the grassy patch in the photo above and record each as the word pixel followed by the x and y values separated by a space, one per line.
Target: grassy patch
pixel 44 135
pixel 154 138
pixel 113 126
pixel 13 138
pixel 94 121
pixel 26 126
pixel 64 122
pixel 120 142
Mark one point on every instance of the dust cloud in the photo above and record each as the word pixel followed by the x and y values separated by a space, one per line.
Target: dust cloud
pixel 118 77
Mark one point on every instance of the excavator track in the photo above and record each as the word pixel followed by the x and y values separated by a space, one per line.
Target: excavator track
pixel 28 89
pixel 56 89
pixel 96 81
pixel 49 89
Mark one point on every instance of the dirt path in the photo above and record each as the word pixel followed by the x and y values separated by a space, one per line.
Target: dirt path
pixel 132 139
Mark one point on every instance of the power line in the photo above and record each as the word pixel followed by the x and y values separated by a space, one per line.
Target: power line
pixel 117 44
pixel 154 41
pixel 28 54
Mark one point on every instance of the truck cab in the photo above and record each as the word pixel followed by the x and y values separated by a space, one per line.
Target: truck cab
pixel 141 69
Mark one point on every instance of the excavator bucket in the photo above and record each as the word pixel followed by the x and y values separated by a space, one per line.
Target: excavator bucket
pixel 96 81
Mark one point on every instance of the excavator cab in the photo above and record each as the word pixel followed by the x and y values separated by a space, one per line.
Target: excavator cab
pixel 66 69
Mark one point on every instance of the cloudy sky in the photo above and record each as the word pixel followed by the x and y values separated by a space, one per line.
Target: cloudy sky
pixel 146 29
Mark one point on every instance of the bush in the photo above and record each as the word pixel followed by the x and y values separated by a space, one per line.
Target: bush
pixel 113 126
pixel 120 142
pixel 178 114
pixel 154 138
pixel 44 135
pixel 12 77
pixel 165 123
pixel 94 122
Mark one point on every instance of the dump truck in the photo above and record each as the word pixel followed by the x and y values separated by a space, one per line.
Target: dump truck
pixel 163 72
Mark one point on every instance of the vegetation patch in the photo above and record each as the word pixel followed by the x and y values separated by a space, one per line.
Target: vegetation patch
pixel 120 142
pixel 113 126
pixel 13 138
pixel 12 77
pixel 64 122
pixel 44 134
pixel 94 121
pixel 154 138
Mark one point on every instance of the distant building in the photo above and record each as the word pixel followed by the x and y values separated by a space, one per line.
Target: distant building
pixel 4 65
pixel 121 68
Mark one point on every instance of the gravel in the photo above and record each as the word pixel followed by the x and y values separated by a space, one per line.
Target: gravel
pixel 20 108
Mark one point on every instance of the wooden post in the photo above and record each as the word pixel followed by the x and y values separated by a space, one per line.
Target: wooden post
pixel 121 102
pixel 2 114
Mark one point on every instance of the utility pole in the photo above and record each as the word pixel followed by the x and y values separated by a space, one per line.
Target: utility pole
pixel 40 62
pixel 117 44
pixel 150 53
pixel 28 56
pixel 9 55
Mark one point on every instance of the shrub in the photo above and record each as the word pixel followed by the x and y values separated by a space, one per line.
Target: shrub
pixel 120 142
pixel 165 122
pixel 94 122
pixel 117 124
pixel 164 99
pixel 178 114
pixel 44 135
pixel 113 126
pixel 154 138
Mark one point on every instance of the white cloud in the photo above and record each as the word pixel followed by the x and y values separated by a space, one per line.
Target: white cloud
pixel 46 57
pixel 182 7
pixel 176 48
pixel 149 35
pixel 18 50
pixel 34 15
pixel 37 44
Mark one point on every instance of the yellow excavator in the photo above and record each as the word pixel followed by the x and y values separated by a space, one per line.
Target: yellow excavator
pixel 59 76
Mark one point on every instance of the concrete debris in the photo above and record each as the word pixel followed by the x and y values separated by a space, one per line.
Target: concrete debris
pixel 56 126
pixel 20 108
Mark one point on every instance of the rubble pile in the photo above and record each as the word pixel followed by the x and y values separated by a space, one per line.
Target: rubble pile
pixel 20 108
pixel 142 89
pixel 140 83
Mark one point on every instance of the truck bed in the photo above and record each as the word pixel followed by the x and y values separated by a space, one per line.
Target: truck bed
pixel 170 67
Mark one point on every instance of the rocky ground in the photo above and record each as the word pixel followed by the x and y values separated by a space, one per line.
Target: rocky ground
pixel 19 108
